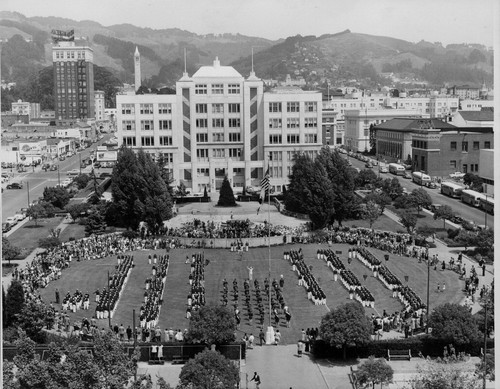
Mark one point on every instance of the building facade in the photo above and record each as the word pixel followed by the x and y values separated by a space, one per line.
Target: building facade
pixel 99 105
pixel 73 82
pixel 487 170
pixel 219 123
pixel 441 152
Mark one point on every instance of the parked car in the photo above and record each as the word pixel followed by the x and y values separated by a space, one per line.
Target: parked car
pixel 5 175
pixel 383 169
pixel 435 207
pixel 432 185
pixel 457 175
pixel 73 172
pixel 11 220
pixel 15 185
pixel 368 165
pixel 407 175
pixel 62 158
pixel 53 168
pixel 6 227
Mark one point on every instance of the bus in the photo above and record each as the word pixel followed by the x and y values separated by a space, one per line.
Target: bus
pixel 487 204
pixel 397 169
pixel 420 178
pixel 451 189
pixel 472 197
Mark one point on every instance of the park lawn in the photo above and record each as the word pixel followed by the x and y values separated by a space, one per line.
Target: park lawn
pixel 90 275
pixel 383 223
pixel 72 230
pixel 27 237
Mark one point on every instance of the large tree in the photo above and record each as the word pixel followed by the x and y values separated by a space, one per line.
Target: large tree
pixel 381 199
pixel 139 192
pixel 302 168
pixel 209 370
pixel 346 326
pixel 14 302
pixel 9 251
pixel 408 219
pixel 319 197
pixel 453 323
pixel 35 212
pixel 445 212
pixel 371 212
pixel 212 324
pixel 95 223
pixel 57 196
pixel 419 198
pixel 226 195
pixel 374 371
pixel 77 210
pixel 33 317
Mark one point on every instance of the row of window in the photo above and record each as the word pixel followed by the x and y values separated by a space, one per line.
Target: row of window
pixel 218 153
pixel 293 123
pixel 217 89
pixel 293 138
pixel 146 125
pixel 218 137
pixel 147 141
pixel 71 54
pixel 294 106
pixel 474 167
pixel 218 108
pixel 218 123
pixel 465 146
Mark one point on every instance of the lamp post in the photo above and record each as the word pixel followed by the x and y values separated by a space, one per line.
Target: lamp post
pixel 28 188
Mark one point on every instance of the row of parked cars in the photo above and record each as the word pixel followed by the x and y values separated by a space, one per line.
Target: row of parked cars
pixel 11 221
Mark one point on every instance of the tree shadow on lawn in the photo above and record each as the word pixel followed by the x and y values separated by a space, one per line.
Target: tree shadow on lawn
pixel 330 362
pixel 34 226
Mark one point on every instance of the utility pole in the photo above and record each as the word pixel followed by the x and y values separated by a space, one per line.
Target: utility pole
pixel 80 154
pixel 28 187
pixel 428 286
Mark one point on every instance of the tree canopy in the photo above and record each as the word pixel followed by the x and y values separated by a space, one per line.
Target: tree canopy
pixel 212 324
pixel 57 196
pixel 419 198
pixel 346 326
pixel 374 371
pixel 408 219
pixel 209 370
pixel 443 376
pixel 139 191
pixel 453 323
pixel 445 212
pixel 322 188
pixel 371 212
pixel 9 251
pixel 14 302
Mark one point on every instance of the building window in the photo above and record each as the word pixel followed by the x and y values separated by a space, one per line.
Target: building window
pixel 453 165
pixel 487 145
pixel 201 108
pixel 234 108
pixel 292 138
pixel 147 141
pixel 217 89
pixel 292 122
pixel 275 123
pixel 218 137
pixel 165 124
pixel 311 138
pixel 234 123
pixel 201 123
pixel 293 106
pixel 128 109
pixel 311 106
pixel 201 138
pixel 276 171
pixel 219 153
pixel 202 154
pixel 475 145
pixel 165 141
pixel 275 139
pixel 233 89
pixel 218 108
pixel 465 146
pixel 311 122
pixel 274 107
pixel 276 155
pixel 217 123
pixel 234 137
pixel 200 89
pixel 129 140
pixel 128 125
pixel 203 172
pixel 146 109
pixel 147 125
pixel 453 146
pixel 164 108
pixel 234 153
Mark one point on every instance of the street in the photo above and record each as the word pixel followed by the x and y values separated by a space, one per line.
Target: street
pixel 467 212
pixel 35 181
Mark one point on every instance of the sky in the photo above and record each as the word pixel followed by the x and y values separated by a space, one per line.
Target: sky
pixel 445 21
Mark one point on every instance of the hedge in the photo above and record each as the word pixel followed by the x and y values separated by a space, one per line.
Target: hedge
pixel 424 344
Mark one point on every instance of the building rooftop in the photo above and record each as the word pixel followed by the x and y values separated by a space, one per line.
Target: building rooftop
pixel 289 90
pixel 410 124
pixel 217 71
pixel 485 115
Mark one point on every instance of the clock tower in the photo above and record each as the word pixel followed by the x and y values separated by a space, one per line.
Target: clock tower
pixel 137 69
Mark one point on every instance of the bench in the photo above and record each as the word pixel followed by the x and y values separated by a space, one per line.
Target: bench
pixel 398 354
pixel 156 362
pixel 180 359
pixel 354 378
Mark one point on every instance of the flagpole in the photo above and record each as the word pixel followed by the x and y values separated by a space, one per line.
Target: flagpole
pixel 270 329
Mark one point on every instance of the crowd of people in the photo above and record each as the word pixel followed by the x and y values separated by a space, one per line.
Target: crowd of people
pixel 196 296
pixel 149 312
pixel 306 278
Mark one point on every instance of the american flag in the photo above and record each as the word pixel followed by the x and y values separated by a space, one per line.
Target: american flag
pixel 264 184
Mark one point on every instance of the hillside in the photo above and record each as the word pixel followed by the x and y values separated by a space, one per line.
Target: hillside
pixel 343 58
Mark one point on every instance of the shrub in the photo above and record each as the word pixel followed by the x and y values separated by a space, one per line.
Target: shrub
pixel 129 234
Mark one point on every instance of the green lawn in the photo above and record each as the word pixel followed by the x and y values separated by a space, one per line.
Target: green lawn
pixel 90 275
pixel 27 237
